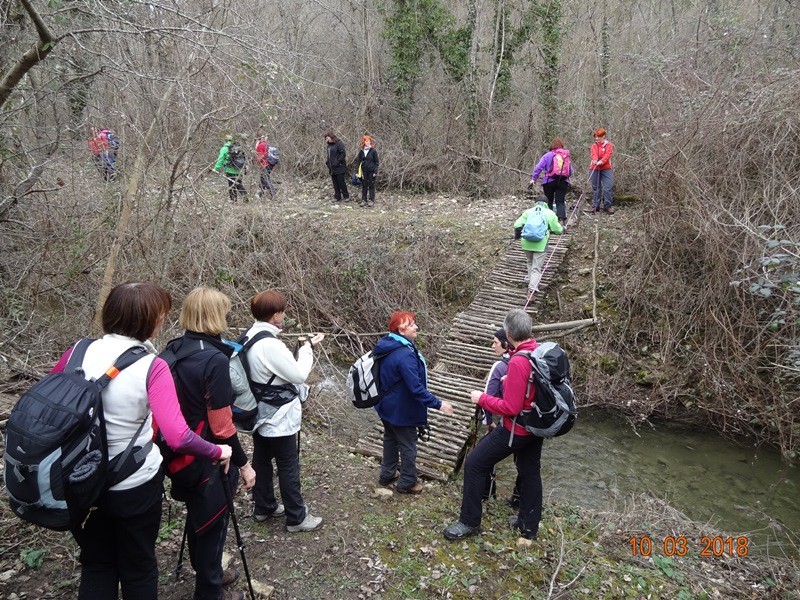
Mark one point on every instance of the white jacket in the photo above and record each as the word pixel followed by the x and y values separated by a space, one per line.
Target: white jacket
pixel 271 356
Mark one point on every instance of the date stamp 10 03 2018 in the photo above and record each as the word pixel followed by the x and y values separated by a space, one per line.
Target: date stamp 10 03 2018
pixel 708 546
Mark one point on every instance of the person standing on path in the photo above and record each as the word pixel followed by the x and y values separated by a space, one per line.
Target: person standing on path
pixel 601 173
pixel 367 159
pixel 509 438
pixel 336 160
pixel 404 407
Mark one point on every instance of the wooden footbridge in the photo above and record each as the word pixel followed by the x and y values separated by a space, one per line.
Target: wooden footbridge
pixel 465 358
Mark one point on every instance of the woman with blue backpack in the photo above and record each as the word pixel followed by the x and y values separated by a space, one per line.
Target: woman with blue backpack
pixel 533 228
pixel 556 167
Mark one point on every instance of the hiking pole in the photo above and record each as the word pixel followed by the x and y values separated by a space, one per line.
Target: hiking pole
pixel 226 484
pixel 179 566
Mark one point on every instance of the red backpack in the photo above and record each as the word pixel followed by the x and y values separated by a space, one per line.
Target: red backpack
pixel 561 166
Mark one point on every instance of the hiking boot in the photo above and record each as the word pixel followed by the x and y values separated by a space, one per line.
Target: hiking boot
pixel 415 489
pixel 391 479
pixel 610 210
pixel 310 523
pixel 347 199
pixel 513 501
pixel 513 521
pixel 592 211
pixel 279 511
pixel 362 204
pixel 232 595
pixel 230 576
pixel 370 204
pixel 459 531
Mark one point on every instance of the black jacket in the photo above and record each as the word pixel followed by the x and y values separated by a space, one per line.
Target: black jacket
pixel 203 383
pixel 337 159
pixel 369 164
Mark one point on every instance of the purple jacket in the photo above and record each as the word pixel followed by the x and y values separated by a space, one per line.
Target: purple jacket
pixel 545 165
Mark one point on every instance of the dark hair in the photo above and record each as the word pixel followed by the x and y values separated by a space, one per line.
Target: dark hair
pixel 500 334
pixel 266 304
pixel 399 318
pixel 134 309
pixel 556 144
pixel 332 136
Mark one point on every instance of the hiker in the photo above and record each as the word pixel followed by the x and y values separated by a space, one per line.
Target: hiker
pixel 277 380
pixel 533 230
pixel 118 539
pixel 556 167
pixel 336 161
pixel 232 159
pixel 102 152
pixel 267 160
pixel 202 380
pixel 367 162
pixel 494 387
pixel 504 440
pixel 601 173
pixel 404 407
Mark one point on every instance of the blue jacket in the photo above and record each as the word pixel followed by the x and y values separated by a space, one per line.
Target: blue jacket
pixel 404 375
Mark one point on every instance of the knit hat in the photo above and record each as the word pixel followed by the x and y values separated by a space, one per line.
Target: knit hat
pixel 500 334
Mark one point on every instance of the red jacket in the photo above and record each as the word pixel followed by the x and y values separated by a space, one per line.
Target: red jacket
pixel 262 150
pixel 513 401
pixel 601 151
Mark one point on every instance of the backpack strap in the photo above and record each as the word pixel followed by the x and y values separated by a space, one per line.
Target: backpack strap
pixel 171 356
pixel 124 360
pixel 249 343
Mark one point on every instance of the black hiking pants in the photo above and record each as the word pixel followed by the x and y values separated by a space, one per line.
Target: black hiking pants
pixel 491 449
pixel 556 191
pixel 118 544
pixel 340 187
pixel 235 186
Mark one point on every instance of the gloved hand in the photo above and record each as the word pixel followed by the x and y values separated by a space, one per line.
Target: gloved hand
pixel 530 185
pixel 517 233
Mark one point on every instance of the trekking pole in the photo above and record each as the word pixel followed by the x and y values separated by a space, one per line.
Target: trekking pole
pixel 179 566
pixel 226 484
pixel 549 258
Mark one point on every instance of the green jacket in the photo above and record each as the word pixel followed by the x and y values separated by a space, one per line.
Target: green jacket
pixel 552 226
pixel 222 160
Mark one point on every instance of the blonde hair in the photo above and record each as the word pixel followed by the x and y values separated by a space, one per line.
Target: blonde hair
pixel 204 311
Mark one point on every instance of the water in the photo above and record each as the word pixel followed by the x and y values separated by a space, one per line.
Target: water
pixel 738 489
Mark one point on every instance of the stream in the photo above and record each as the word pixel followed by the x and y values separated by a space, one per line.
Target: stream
pixel 742 490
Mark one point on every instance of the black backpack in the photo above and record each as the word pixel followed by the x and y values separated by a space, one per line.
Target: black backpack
pixel 56 452
pixel 554 410
pixel 236 156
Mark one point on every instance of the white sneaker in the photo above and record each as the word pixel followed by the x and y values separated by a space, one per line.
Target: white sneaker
pixel 278 512
pixel 310 523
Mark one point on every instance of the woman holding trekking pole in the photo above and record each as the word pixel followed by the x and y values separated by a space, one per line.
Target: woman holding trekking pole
pixel 200 364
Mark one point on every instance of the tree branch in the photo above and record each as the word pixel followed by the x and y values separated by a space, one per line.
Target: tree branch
pixel 31 58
